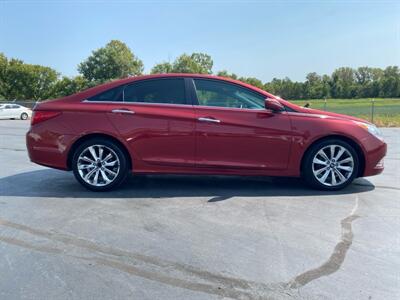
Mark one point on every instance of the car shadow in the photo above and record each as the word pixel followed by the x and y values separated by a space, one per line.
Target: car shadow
pixel 60 184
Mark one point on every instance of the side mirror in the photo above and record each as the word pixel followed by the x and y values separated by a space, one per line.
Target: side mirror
pixel 273 105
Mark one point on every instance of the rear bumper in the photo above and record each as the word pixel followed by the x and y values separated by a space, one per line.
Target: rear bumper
pixel 376 151
pixel 48 148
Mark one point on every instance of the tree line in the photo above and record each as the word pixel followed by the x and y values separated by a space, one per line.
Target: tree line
pixel 22 81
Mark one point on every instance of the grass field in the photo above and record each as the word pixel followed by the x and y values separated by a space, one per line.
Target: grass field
pixel 386 111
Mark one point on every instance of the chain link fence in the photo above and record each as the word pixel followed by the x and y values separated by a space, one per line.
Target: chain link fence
pixel 27 103
pixel 383 112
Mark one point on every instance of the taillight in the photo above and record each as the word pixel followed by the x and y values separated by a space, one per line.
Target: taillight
pixel 39 116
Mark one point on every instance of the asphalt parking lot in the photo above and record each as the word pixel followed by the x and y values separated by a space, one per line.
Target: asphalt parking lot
pixel 195 237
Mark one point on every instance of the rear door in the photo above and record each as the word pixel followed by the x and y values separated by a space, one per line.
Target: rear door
pixel 234 130
pixel 156 118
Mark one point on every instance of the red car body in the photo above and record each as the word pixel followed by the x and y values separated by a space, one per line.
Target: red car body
pixel 168 138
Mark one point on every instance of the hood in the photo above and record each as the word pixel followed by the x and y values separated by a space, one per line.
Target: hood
pixel 313 111
pixel 331 114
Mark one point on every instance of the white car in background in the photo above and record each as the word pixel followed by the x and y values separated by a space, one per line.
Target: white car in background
pixel 14 111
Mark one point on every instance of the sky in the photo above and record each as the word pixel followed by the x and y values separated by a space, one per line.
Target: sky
pixel 263 39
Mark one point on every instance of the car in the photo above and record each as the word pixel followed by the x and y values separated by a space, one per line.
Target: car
pixel 198 124
pixel 14 111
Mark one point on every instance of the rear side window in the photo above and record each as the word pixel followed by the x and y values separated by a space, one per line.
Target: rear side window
pixel 114 94
pixel 168 91
pixel 15 106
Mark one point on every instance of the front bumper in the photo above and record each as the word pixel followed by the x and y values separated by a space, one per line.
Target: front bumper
pixel 374 158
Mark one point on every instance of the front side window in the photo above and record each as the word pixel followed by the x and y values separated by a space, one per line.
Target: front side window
pixel 223 94
pixel 114 94
pixel 15 106
pixel 167 91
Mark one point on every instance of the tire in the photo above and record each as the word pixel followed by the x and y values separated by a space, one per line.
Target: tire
pixel 324 171
pixel 101 178
pixel 24 116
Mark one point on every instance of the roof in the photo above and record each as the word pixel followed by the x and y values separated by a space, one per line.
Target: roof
pixel 114 83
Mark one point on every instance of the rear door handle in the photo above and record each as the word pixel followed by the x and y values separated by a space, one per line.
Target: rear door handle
pixel 211 120
pixel 123 111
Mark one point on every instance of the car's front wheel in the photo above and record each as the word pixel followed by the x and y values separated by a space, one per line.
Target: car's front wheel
pixel 100 164
pixel 330 164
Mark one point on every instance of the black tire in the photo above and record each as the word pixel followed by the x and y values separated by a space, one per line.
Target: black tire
pixel 307 167
pixel 24 116
pixel 123 164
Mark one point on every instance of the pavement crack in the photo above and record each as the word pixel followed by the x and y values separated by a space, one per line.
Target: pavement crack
pixel 167 272
pixel 182 275
pixel 13 149
pixel 336 259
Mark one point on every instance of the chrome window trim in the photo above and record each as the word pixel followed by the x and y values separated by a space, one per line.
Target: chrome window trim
pixel 235 108
pixel 134 103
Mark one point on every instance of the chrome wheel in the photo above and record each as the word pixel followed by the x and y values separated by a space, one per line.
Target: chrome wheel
pixel 98 165
pixel 333 165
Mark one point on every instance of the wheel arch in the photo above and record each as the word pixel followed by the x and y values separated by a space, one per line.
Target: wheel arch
pixel 354 144
pixel 86 137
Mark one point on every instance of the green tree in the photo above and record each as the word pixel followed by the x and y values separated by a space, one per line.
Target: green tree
pixel 113 61
pixel 316 86
pixel 204 62
pixel 226 74
pixel 68 86
pixel 252 81
pixel 3 70
pixel 162 68
pixel 198 63
pixel 343 83
pixel 368 81
pixel 194 63
pixel 390 82
pixel 26 81
pixel 285 88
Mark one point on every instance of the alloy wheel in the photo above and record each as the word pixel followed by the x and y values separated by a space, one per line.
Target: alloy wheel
pixel 333 165
pixel 98 165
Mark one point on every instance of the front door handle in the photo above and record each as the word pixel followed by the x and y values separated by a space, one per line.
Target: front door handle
pixel 123 111
pixel 211 120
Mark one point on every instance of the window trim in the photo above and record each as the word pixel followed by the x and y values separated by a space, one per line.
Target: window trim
pixel 187 95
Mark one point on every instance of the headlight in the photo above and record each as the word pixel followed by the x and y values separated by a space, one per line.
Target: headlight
pixel 372 129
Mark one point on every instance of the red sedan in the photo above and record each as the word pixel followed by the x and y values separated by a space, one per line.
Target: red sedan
pixel 198 124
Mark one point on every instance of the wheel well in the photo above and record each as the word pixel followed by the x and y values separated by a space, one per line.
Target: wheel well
pixel 84 138
pixel 356 146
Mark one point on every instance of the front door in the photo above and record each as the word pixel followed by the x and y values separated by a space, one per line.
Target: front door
pixel 234 130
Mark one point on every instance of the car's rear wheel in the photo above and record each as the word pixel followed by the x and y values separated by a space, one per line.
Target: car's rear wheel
pixel 24 116
pixel 100 164
pixel 330 165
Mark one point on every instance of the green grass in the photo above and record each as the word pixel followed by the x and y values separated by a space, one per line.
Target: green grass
pixel 386 111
